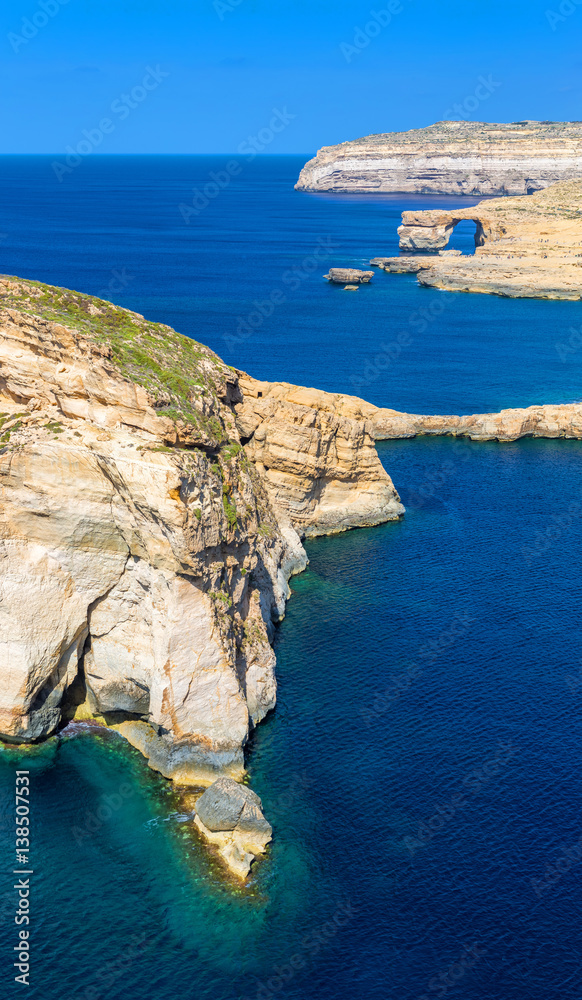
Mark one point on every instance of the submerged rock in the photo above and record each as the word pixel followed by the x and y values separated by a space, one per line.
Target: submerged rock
pixel 230 816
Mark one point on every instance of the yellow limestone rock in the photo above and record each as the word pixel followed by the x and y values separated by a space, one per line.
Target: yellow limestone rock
pixel 527 247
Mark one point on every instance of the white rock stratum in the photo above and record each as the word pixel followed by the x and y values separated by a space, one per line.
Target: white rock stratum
pixel 451 157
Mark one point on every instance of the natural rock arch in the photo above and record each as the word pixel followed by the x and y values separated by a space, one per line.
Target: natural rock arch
pixel 432 230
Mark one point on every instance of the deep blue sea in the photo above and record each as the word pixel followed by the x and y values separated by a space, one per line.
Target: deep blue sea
pixel 422 768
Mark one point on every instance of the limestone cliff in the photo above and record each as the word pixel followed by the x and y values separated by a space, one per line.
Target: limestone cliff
pixel 319 464
pixel 451 157
pixel 525 247
pixel 384 424
pixel 145 541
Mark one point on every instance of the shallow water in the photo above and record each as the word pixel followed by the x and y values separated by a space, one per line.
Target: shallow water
pixel 422 766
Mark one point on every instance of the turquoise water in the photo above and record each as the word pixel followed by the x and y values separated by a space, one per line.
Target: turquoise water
pixel 421 769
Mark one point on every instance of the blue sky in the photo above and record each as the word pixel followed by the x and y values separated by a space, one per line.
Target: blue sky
pixel 334 69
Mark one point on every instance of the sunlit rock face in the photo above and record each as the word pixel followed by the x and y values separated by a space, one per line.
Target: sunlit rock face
pixel 451 157
pixel 525 247
pixel 144 556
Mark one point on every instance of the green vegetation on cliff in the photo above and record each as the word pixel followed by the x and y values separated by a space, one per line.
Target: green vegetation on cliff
pixel 186 380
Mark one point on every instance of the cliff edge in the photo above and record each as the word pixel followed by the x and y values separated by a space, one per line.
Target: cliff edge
pixel 451 157
pixel 152 507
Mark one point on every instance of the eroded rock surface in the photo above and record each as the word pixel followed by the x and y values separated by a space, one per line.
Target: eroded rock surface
pixel 143 557
pixel 230 816
pixel 348 275
pixel 525 247
pixel 316 457
pixel 464 158
pixel 549 421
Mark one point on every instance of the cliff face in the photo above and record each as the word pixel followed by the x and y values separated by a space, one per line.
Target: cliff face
pixel 549 421
pixel 318 464
pixel 464 158
pixel 526 247
pixel 144 556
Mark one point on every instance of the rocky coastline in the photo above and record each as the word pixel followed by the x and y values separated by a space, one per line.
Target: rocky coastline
pixel 525 247
pixel 153 503
pixel 153 506
pixel 451 157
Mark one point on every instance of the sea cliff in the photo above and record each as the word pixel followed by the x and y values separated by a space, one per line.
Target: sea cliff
pixel 451 157
pixel 153 503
